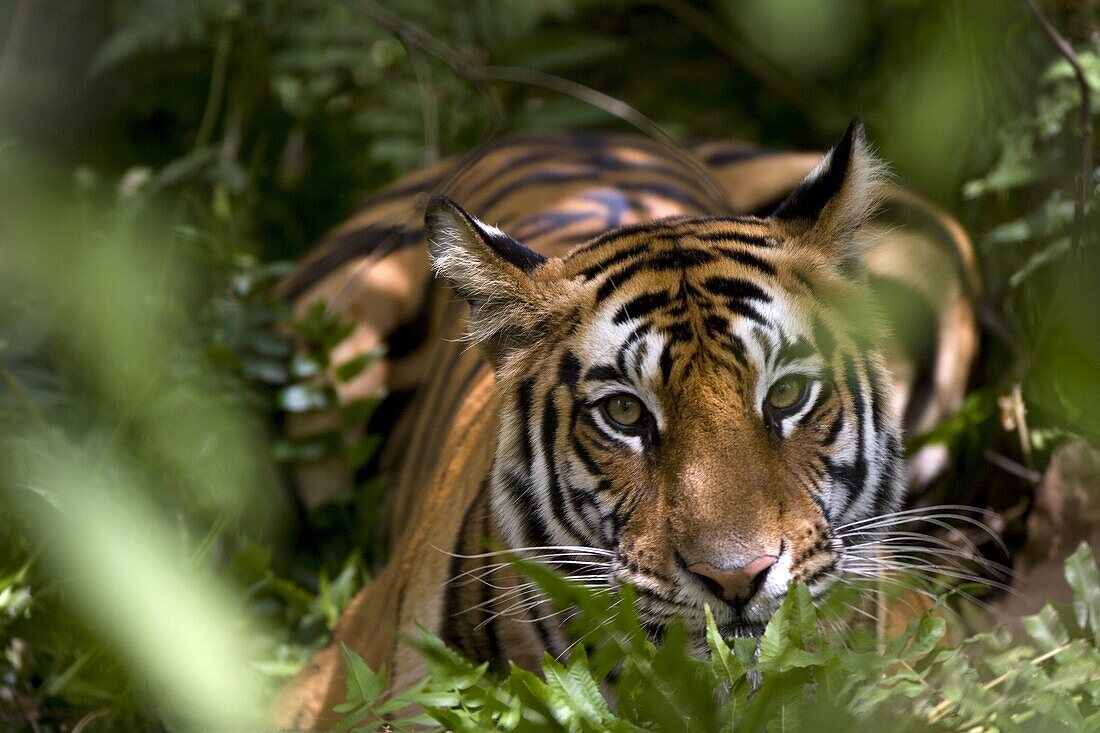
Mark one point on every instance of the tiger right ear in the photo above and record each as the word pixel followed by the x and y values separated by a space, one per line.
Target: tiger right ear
pixel 828 207
pixel 497 275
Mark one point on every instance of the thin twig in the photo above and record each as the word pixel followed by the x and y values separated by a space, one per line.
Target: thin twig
pixel 1066 50
pixel 407 33
pixel 616 108
pixel 217 87
pixel 9 57
pixel 24 399
pixel 479 74
pixel 1010 466
pixel 810 99
pixel 944 707
pixel 89 719
pixel 428 108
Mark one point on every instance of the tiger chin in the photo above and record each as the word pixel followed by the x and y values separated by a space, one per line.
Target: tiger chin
pixel 697 406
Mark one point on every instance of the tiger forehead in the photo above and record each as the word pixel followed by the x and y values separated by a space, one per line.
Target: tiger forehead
pixel 688 237
pixel 702 272
pixel 686 250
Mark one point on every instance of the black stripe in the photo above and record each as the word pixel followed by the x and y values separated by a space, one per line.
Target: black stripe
pixel 747 259
pixel 800 349
pixel 641 306
pixel 823 395
pixel 835 428
pixel 737 349
pixel 533 180
pixel 346 246
pixel 523 405
pixel 496 659
pixel 666 363
pixel 554 489
pixel 549 221
pixel 533 530
pixel 413 333
pixel 735 237
pixel 580 500
pixel 607 238
pixel 853 476
pixel 586 457
pixel 679 332
pixel 735 288
pixel 678 259
pixel 603 373
pixel 742 308
pixel 738 155
pixel 665 191
pixel 452 630
pixel 620 357
pixel 816 497
pixel 614 280
pixel 619 256
pixel 569 370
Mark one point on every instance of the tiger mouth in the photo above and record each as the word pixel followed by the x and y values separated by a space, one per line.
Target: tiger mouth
pixel 656 629
pixel 741 630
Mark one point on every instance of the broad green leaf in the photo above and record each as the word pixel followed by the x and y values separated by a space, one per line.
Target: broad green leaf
pixel 1045 628
pixel 576 693
pixel 1083 576
pixel 362 684
pixel 725 663
pixel 923 635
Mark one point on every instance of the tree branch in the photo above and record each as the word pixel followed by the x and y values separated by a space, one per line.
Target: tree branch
pixel 1066 50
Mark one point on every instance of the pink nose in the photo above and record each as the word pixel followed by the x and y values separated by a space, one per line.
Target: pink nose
pixel 735 585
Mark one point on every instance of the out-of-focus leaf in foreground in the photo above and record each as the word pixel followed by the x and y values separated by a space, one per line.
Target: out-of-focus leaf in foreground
pixel 106 493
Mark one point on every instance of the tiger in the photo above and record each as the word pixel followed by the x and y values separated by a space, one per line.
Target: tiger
pixel 683 370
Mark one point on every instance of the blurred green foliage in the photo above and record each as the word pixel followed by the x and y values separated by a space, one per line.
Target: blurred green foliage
pixel 161 161
pixel 797 677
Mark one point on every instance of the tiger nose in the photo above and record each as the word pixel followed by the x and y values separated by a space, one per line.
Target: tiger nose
pixel 735 585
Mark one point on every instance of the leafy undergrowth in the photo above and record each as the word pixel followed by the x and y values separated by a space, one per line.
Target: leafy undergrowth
pixel 795 677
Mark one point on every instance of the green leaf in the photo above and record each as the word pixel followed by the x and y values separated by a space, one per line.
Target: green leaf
pixel 725 663
pixel 1083 577
pixel 575 691
pixel 776 641
pixel 1047 255
pixel 923 635
pixel 352 368
pixel 1045 628
pixel 362 685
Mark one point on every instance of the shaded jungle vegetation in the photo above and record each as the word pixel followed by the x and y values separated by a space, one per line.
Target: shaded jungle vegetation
pixel 163 162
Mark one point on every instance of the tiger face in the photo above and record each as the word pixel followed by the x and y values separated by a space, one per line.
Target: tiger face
pixel 699 400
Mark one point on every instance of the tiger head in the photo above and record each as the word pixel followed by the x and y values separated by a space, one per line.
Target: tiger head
pixel 698 399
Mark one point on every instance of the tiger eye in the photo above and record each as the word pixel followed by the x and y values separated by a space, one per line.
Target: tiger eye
pixel 786 392
pixel 624 409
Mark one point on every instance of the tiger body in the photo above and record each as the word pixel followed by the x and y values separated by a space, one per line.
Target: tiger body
pixel 641 294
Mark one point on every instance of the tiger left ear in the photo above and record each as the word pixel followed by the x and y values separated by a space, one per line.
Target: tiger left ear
pixel 827 209
pixel 501 278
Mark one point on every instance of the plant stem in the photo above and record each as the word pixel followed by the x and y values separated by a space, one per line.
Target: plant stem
pixel 217 87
